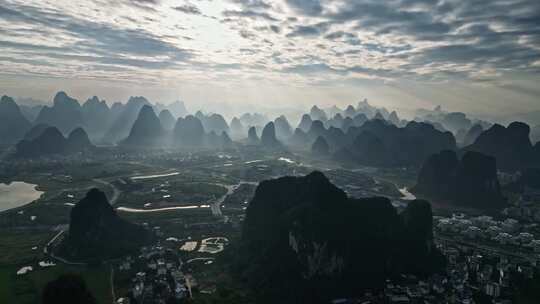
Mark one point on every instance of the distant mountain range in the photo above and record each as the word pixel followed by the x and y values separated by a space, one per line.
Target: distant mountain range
pixel 357 135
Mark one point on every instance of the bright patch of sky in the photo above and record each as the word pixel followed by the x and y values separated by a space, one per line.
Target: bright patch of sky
pixel 468 55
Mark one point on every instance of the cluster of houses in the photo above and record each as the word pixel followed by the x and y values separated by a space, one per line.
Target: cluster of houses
pixel 505 232
pixel 156 276
pixel 471 272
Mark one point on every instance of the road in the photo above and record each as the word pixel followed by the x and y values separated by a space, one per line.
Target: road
pixel 216 206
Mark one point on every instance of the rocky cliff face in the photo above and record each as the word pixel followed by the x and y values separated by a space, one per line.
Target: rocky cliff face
pixel 307 230
pixel 471 181
pixel 96 231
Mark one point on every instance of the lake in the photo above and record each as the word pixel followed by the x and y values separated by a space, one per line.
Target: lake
pixel 17 194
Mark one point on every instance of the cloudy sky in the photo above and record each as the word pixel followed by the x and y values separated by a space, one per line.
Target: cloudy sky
pixel 481 56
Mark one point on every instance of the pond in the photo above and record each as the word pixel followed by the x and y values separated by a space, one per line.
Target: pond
pixel 17 194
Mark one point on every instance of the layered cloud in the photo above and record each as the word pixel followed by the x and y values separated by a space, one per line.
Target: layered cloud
pixel 301 43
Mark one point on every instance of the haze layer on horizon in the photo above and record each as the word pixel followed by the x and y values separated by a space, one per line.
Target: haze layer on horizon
pixel 473 56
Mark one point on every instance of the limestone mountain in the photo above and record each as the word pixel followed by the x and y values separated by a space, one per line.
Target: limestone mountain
pixel 283 128
pixel 328 245
pixel 268 136
pixel 125 116
pixel 511 146
pixel 347 124
pixel 65 113
pixel 13 124
pixel 237 129
pixel 51 141
pixel 472 134
pixel 78 141
pixel 177 109
pixel 471 181
pixel 317 114
pixel 97 232
pixel 305 123
pixel 97 117
pixel 35 131
pixel 360 119
pixel 31 112
pixel 336 121
pixel 320 147
pixel 350 111
pixel 253 138
pixel 167 120
pixel 189 132
pixel 214 122
pixel 317 129
pixel 299 139
pixel 379 143
pixel 147 130
pixel 393 118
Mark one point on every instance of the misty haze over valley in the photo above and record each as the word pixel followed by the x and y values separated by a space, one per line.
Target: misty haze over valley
pixel 255 151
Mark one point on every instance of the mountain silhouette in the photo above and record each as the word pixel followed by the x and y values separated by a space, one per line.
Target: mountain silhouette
pixel 189 132
pixel 167 120
pixel 146 131
pixel 65 113
pixel 320 147
pixel 124 118
pixel 13 124
pixel 511 146
pixel 471 181
pixel 268 136
pixel 326 244
pixel 97 232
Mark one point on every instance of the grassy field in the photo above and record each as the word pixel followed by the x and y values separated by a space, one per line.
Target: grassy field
pixel 16 252
pixel 27 289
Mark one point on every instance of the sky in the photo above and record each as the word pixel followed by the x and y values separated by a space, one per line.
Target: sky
pixel 476 56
